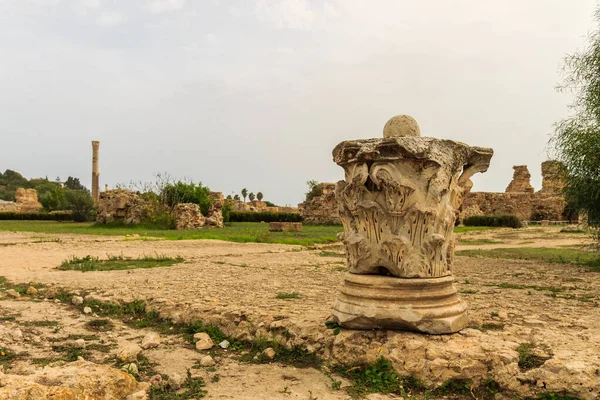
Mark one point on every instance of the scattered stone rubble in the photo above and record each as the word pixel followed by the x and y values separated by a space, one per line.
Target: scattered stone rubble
pixel 26 201
pixel 520 199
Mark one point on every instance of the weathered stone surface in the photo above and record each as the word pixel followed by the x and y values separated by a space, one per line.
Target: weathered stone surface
pixel 151 340
pixel 188 216
pixel 214 217
pixel 401 125
pixel 77 380
pixel 321 209
pixel 520 198
pixel 398 205
pixel 128 351
pixel 26 201
pixel 203 341
pixel 13 293
pixel 285 226
pixel 207 361
pixel 521 182
pixel 121 205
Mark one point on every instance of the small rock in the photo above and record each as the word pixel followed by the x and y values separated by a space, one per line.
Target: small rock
pixel 130 368
pixel 57 301
pixel 79 358
pixel 503 314
pixel 176 381
pixel 79 343
pixel 77 300
pixel 129 352
pixel 155 380
pixel 151 340
pixel 17 334
pixel 269 353
pixel 224 344
pixel 141 395
pixel 87 310
pixel 203 341
pixel 13 293
pixel 31 291
pixel 207 361
pixel 470 332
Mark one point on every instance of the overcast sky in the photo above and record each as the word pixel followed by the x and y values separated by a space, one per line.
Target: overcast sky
pixel 256 93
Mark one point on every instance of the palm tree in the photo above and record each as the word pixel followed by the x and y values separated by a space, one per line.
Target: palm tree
pixel 244 193
pixel 236 197
pixel 251 196
pixel 259 196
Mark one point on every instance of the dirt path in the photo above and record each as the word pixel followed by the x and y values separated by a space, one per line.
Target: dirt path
pixel 235 285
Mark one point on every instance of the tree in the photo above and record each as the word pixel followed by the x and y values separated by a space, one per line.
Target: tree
pixel 244 193
pixel 259 196
pixel 81 205
pixel 236 197
pixel 314 190
pixel 229 197
pixel 576 140
pixel 74 184
pixel 251 196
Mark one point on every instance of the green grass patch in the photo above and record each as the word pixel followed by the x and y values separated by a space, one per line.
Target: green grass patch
pixel 191 389
pixel 527 357
pixel 477 242
pixel 99 325
pixel 90 263
pixel 241 232
pixel 590 259
pixel 462 229
pixel 296 356
pixel 287 296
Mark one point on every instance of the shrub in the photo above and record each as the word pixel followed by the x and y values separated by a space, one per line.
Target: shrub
pixel 181 192
pixel 226 210
pixel 509 221
pixel 314 190
pixel 36 216
pixel 246 216
pixel 81 205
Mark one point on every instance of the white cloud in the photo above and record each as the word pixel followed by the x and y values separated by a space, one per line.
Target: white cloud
pixel 90 3
pixel 162 6
pixel 211 38
pixel 110 18
pixel 285 14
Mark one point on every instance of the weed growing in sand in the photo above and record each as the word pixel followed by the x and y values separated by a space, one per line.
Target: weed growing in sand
pixel 191 389
pixel 528 359
pixel 90 263
pixel 287 296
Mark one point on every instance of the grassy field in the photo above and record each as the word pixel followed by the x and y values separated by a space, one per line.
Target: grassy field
pixel 552 255
pixel 242 232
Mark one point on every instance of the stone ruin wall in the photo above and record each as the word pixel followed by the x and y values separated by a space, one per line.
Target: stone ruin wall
pixel 26 201
pixel 520 197
pixel 127 206
pixel 321 209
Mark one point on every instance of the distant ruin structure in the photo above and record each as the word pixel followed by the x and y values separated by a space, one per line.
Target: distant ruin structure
pixel 26 201
pixel 398 204
pixel 520 198
pixel 322 208
pixel 95 172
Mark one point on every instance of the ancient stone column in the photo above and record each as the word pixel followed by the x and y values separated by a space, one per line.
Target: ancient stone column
pixel 95 172
pixel 398 205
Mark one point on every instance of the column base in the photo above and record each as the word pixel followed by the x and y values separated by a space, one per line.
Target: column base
pixel 429 305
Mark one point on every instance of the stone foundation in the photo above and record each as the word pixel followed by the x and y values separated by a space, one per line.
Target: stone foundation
pixel 321 209
pixel 26 201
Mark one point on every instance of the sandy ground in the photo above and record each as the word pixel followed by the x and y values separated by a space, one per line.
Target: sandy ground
pixel 223 277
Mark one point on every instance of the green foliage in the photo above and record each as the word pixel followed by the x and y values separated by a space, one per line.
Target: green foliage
pixel 81 205
pixel 576 141
pixel 236 197
pixel 287 296
pixel 226 211
pixel 251 196
pixel 90 263
pixel 379 377
pixel 229 197
pixel 74 184
pixel 269 204
pixel 181 192
pixel 244 193
pixel 248 216
pixel 527 359
pixel 314 190
pixel 259 196
pixel 509 221
pixel 53 199
pixel 35 216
